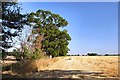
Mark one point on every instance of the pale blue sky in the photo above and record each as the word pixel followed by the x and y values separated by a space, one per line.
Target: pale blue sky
pixel 93 26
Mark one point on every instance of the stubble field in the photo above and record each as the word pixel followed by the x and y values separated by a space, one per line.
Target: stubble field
pixel 81 67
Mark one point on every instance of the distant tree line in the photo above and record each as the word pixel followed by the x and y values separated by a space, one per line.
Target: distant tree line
pixel 95 54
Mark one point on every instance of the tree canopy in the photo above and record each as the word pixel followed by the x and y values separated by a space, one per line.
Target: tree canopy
pixel 50 38
pixel 46 36
pixel 12 24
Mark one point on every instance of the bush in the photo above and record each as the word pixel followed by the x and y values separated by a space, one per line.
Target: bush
pixel 37 54
pixel 78 55
pixel 92 54
pixel 107 55
pixel 28 54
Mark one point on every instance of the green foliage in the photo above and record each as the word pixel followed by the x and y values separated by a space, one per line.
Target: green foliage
pixel 92 54
pixel 112 54
pixel 106 54
pixel 78 54
pixel 55 42
pixel 27 54
pixel 12 24
pixel 37 54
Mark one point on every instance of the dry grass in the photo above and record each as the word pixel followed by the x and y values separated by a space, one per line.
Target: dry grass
pixel 30 66
pixel 108 65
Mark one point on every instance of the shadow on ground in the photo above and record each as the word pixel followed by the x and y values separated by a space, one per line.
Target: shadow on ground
pixel 59 75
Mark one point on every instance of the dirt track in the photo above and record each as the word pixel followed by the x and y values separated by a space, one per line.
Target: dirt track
pixel 108 65
pixel 74 67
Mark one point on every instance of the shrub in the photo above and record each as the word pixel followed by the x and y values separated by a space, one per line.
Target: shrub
pixel 28 54
pixel 107 55
pixel 92 54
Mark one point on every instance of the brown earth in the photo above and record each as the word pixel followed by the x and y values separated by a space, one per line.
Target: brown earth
pixel 70 67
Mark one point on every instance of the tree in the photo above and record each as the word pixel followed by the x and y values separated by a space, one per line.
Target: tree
pixel 12 24
pixel 55 42
pixel 92 54
pixel 49 38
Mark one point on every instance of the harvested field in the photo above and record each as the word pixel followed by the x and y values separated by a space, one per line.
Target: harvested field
pixel 71 67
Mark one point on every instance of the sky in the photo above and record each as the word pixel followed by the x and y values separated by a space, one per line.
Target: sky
pixel 93 26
